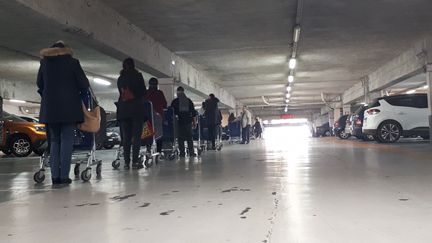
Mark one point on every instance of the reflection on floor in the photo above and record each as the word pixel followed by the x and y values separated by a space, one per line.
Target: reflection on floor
pixel 292 190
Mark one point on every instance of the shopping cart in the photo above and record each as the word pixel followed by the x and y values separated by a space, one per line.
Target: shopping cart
pixel 199 142
pixel 148 154
pixel 170 126
pixel 84 148
pixel 235 132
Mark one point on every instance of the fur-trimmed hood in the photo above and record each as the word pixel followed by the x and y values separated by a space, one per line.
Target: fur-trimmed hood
pixel 55 51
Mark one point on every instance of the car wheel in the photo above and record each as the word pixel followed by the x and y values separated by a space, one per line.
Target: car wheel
pixel 21 146
pixel 99 146
pixel 343 135
pixel 388 132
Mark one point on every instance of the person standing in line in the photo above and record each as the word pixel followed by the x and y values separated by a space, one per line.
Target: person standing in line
pixel 60 81
pixel 257 128
pixel 211 113
pixel 184 109
pixel 246 120
pixel 130 111
pixel 231 118
pixel 159 102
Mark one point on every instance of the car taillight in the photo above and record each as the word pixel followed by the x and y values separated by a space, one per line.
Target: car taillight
pixel 373 111
pixel 358 121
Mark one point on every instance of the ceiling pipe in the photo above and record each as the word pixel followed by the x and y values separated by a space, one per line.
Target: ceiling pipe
pixel 271 104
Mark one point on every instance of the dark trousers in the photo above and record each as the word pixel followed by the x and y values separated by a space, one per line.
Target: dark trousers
pixel 246 134
pixel 212 134
pixel 185 134
pixel 159 144
pixel 131 137
pixel 61 146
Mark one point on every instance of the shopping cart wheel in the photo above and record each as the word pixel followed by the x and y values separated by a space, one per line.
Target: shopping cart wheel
pixel 98 169
pixel 199 152
pixel 39 177
pixel 219 148
pixel 162 156
pixel 116 164
pixel 86 175
pixel 148 163
pixel 172 156
pixel 77 170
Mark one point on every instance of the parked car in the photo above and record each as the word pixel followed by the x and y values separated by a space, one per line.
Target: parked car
pixel 339 128
pixel 323 130
pixel 113 126
pixel 20 137
pixel 354 124
pixel 391 117
pixel 112 139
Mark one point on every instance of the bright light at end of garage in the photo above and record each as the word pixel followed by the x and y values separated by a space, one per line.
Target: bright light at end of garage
pixel 292 63
pixel 17 101
pixel 102 81
pixel 411 91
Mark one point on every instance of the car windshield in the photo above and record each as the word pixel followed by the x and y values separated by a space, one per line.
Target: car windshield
pixel 9 117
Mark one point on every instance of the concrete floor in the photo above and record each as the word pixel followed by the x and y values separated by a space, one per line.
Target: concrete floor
pixel 312 190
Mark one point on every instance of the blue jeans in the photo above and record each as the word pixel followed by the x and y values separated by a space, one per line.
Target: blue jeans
pixel 61 140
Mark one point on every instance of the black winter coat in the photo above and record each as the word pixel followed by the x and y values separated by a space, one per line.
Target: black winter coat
pixel 212 111
pixel 60 81
pixel 133 109
pixel 184 118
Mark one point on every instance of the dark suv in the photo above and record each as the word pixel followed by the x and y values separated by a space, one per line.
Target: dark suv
pixel 339 127
pixel 355 124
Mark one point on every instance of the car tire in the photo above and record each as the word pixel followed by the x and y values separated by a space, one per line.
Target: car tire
pixel 388 132
pixel 21 146
pixel 343 135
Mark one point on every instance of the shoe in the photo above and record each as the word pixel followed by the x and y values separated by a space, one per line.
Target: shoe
pixel 193 155
pixel 182 155
pixel 126 166
pixel 56 181
pixel 66 181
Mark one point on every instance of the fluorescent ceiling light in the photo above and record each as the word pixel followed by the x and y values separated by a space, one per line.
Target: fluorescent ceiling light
pixel 291 78
pixel 173 62
pixel 292 63
pixel 17 101
pixel 286 109
pixel 289 88
pixel 411 91
pixel 426 87
pixel 102 81
pixel 287 100
pixel 297 30
pixel 288 96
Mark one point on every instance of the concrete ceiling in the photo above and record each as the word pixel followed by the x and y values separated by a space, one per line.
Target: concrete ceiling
pixel 245 43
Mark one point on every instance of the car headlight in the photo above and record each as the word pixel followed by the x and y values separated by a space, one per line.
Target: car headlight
pixel 40 128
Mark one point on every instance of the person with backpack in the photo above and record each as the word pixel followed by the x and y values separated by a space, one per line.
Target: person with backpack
pixel 130 111
pixel 60 82
pixel 184 109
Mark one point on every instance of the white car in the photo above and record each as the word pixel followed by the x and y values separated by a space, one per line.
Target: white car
pixel 391 117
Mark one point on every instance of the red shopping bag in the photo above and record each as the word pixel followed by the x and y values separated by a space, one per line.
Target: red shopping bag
pixel 148 131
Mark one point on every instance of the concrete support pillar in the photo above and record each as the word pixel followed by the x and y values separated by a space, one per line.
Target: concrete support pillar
pixel 346 109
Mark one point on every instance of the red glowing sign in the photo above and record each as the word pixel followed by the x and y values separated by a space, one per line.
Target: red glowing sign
pixel 287 116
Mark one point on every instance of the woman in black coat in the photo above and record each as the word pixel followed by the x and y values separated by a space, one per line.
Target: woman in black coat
pixel 60 81
pixel 130 111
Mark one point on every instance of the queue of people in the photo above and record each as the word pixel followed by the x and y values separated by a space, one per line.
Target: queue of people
pixel 61 81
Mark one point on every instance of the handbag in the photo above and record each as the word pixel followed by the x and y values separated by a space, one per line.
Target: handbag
pixel 92 120
pixel 148 131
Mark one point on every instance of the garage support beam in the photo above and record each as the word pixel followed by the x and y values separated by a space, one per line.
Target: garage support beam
pixel 106 30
